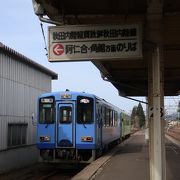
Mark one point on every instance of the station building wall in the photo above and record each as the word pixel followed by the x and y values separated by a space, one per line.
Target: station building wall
pixel 21 82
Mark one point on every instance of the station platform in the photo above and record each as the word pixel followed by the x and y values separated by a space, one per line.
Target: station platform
pixel 130 161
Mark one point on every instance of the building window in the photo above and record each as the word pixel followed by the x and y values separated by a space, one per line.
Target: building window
pixel 17 134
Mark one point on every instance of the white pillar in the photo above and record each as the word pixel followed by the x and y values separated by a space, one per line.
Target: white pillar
pixel 157 150
pixel 157 147
pixel 154 34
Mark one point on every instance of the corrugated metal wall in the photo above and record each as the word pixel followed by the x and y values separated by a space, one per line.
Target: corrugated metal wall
pixel 20 84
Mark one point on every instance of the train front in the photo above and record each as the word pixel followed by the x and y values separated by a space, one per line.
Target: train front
pixel 66 127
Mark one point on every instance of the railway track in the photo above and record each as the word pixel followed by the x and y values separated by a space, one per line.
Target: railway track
pixel 175 133
pixel 43 172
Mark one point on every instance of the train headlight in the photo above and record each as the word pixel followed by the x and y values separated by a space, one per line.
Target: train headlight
pixel 86 139
pixel 45 138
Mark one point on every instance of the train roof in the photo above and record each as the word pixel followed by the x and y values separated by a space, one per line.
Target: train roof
pixel 75 94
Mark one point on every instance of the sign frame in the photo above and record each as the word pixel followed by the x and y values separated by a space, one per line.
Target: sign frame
pixel 114 37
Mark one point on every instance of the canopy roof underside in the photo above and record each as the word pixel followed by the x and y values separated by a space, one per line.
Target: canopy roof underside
pixel 129 76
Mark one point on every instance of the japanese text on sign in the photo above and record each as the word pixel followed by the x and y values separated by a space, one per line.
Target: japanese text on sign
pixel 111 33
pixel 94 42
pixel 100 48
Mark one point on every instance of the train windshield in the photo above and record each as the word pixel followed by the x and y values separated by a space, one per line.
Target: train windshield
pixel 84 110
pixel 46 111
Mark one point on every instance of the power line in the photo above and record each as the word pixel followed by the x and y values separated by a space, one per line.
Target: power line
pixel 44 39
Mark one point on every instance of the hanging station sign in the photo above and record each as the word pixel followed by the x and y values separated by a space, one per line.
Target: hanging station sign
pixel 91 42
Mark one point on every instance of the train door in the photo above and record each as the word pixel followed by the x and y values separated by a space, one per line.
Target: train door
pixel 65 125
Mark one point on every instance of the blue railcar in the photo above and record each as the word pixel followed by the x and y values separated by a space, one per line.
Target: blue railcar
pixel 75 126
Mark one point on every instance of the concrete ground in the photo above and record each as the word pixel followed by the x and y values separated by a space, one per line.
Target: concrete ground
pixel 130 161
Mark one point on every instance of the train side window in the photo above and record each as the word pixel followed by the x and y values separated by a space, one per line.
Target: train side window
pixel 110 117
pixel 102 115
pixel 115 118
pixel 112 120
pixel 105 116
pixel 108 122
pixel 65 114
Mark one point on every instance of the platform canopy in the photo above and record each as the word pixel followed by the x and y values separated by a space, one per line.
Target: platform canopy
pixel 129 76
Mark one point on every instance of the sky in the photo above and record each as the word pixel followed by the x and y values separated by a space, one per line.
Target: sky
pixel 20 30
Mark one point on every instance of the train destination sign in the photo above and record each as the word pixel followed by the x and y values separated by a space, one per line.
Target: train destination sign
pixel 91 42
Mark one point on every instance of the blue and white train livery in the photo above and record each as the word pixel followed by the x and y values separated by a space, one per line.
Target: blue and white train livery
pixel 75 126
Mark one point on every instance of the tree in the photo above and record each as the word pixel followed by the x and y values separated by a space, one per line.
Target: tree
pixel 141 115
pixel 134 112
pixel 138 117
pixel 134 117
